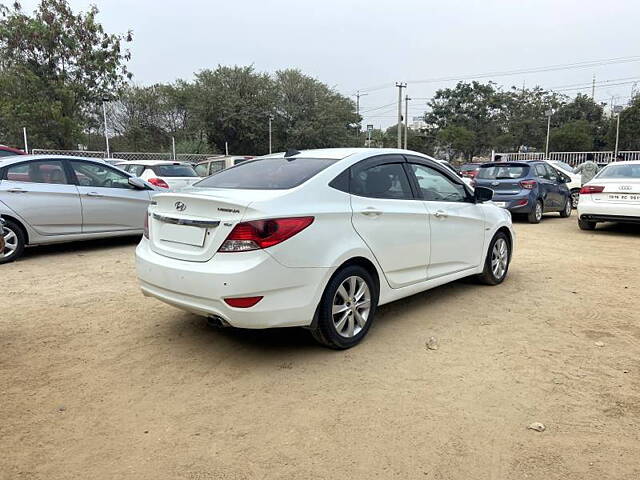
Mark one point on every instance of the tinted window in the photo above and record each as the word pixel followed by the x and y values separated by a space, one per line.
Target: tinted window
pixel 500 172
pixel 96 175
pixel 541 171
pixel 562 165
pixel 468 168
pixel 174 170
pixel 437 187
pixel 201 169
pixel 7 153
pixel 267 174
pixel 45 171
pixel 621 171
pixel 382 181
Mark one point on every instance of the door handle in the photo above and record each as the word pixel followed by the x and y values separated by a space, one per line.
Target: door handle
pixel 93 194
pixel 17 190
pixel 371 212
pixel 441 214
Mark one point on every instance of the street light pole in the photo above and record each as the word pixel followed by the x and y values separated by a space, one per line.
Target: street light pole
pixel 400 86
pixel 548 113
pixel 619 110
pixel 270 119
pixel 406 120
pixel 106 133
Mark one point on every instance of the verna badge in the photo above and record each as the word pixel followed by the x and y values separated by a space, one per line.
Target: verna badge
pixel 181 207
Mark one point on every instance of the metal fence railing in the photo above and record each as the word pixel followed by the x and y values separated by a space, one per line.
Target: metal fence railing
pixel 572 158
pixel 127 156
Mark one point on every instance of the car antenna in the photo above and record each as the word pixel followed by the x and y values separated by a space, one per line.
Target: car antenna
pixel 291 152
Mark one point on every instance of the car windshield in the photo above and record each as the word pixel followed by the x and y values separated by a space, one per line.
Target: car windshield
pixel 631 170
pixel 174 170
pixel 267 173
pixel 499 172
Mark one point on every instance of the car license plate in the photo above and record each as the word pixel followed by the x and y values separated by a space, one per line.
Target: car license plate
pixel 501 204
pixel 183 234
pixel 625 197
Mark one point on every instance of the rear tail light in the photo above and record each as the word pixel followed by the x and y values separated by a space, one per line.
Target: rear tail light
pixel 145 232
pixel 528 184
pixel 522 202
pixel 242 302
pixel 259 234
pixel 158 182
pixel 588 189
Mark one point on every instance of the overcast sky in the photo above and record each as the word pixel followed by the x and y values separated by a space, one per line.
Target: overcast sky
pixel 355 45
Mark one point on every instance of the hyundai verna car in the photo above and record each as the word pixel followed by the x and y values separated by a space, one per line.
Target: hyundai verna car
pixel 52 199
pixel 530 188
pixel 613 195
pixel 319 239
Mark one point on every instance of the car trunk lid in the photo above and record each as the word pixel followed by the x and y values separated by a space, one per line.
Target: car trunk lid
pixel 617 190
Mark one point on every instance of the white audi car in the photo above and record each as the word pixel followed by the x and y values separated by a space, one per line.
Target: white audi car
pixel 613 195
pixel 319 239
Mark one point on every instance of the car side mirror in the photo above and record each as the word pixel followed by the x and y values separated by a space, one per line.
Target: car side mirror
pixel 482 194
pixel 138 183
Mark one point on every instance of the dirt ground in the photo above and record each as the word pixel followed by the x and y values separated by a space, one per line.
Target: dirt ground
pixel 98 382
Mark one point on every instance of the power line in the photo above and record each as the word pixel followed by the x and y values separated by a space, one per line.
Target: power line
pixel 549 68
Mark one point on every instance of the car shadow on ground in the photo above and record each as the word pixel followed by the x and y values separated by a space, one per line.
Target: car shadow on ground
pixel 284 341
pixel 625 229
pixel 80 247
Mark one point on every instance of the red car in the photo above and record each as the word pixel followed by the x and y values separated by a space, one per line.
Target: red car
pixel 9 151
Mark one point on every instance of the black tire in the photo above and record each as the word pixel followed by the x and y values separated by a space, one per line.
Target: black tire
pixel 575 197
pixel 535 215
pixel 488 276
pixel 568 208
pixel 324 329
pixel 586 225
pixel 14 232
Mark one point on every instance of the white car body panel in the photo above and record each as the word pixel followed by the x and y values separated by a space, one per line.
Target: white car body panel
pixel 620 197
pixel 292 275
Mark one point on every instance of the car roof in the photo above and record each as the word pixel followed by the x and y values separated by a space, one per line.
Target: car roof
pixel 4 161
pixel 12 149
pixel 625 162
pixel 508 163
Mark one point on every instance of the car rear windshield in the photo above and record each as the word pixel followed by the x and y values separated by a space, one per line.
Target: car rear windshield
pixel 267 174
pixel 621 171
pixel 502 172
pixel 174 170
pixel 468 167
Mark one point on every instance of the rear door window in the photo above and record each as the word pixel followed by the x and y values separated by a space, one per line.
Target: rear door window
pixel 43 171
pixel 267 173
pixel 503 172
pixel 388 180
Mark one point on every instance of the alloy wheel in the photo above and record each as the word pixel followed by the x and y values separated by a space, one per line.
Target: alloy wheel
pixel 351 306
pixel 575 197
pixel 499 258
pixel 10 242
pixel 538 211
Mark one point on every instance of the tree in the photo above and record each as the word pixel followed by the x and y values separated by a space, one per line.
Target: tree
pixel 629 127
pixel 585 109
pixel 54 67
pixel 457 141
pixel 469 107
pixel 574 136
pixel 309 114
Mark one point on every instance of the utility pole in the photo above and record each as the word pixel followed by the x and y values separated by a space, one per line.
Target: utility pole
pixel 548 113
pixel 173 147
pixel 400 86
pixel 406 120
pixel 593 87
pixel 358 95
pixel 270 119
pixel 106 132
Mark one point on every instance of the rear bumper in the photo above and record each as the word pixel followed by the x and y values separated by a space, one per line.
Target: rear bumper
pixel 609 218
pixel 519 203
pixel 593 211
pixel 290 294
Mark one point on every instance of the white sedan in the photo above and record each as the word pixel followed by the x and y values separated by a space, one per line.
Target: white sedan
pixel 162 173
pixel 319 239
pixel 613 195
pixel 574 181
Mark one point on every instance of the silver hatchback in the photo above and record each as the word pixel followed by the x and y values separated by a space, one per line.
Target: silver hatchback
pixel 45 199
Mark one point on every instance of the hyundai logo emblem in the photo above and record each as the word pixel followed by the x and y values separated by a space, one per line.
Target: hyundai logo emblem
pixel 181 207
pixel 495 184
